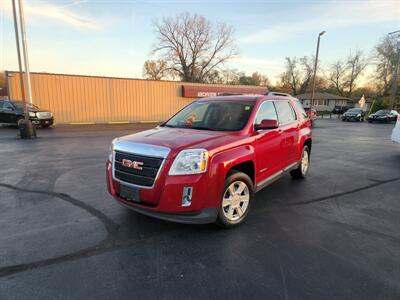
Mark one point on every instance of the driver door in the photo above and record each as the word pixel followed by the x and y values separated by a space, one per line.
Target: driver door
pixel 269 159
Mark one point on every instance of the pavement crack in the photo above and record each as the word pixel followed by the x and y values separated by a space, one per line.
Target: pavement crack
pixel 341 194
pixel 104 245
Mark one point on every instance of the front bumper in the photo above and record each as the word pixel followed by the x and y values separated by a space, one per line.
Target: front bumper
pixel 205 216
pixel 42 122
pixel 381 120
pixel 351 118
pixel 164 201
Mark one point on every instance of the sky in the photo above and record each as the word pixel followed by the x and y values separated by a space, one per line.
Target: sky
pixel 114 38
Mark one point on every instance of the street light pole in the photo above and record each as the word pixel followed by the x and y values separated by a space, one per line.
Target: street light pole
pixel 393 102
pixel 315 68
pixel 25 51
pixel 26 128
pixel 21 81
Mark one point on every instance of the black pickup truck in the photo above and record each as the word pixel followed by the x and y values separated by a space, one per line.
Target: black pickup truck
pixel 13 111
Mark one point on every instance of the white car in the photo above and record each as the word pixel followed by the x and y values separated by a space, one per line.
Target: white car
pixel 396 131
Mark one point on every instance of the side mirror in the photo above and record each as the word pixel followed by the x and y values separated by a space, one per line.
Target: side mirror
pixel 267 124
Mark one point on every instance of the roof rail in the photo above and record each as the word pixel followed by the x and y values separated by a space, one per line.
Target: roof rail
pixel 279 94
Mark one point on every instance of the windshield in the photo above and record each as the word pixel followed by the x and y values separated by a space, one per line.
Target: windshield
pixel 354 110
pixel 20 105
pixel 382 112
pixel 213 115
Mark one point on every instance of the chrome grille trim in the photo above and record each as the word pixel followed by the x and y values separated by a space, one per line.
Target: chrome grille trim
pixel 146 150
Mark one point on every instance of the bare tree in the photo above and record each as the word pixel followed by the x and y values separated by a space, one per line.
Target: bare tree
pixel 230 76
pixel 356 65
pixel 192 46
pixel 336 76
pixel 155 69
pixel 385 61
pixel 298 75
pixel 343 76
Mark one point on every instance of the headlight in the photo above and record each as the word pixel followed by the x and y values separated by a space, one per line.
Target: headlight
pixel 190 161
pixel 110 152
pixel 32 114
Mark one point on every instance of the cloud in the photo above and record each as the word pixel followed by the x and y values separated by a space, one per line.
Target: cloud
pixel 59 14
pixel 327 15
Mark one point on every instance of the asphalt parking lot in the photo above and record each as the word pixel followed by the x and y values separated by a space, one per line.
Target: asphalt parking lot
pixel 335 235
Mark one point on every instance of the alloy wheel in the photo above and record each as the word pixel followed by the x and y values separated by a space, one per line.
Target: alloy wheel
pixel 236 200
pixel 305 162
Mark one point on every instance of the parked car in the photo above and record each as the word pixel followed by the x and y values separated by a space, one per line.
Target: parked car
pixel 205 164
pixel 340 110
pixel 353 114
pixel 311 114
pixel 12 111
pixel 383 116
pixel 396 131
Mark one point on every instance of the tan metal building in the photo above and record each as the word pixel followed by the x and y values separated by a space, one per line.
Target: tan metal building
pixel 92 99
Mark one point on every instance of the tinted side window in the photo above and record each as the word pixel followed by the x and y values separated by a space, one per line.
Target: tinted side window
pixel 7 105
pixel 266 111
pixel 1 104
pixel 300 108
pixel 285 112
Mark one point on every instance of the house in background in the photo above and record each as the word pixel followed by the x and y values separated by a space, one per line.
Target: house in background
pixel 323 101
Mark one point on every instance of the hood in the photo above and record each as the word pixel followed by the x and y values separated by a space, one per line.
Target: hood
pixel 33 109
pixel 352 113
pixel 181 138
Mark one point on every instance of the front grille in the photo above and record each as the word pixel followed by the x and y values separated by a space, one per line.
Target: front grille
pixel 144 177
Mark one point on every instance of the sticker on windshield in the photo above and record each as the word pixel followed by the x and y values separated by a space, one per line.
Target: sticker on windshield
pixel 247 107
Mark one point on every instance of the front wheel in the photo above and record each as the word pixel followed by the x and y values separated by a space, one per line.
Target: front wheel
pixel 236 199
pixel 304 165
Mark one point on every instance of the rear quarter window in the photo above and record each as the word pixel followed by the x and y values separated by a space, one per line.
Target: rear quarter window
pixel 299 108
pixel 285 112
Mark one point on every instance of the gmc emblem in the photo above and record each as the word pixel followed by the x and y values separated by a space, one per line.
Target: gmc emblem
pixel 132 164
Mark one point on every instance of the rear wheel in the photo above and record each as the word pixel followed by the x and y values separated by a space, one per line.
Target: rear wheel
pixel 236 199
pixel 302 169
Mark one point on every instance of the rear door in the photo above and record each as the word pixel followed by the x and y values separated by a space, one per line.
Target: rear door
pixel 2 117
pixel 9 114
pixel 269 159
pixel 289 127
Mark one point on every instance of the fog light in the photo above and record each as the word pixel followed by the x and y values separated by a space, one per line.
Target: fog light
pixel 187 196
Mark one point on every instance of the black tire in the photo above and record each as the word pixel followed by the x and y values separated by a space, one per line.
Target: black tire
pixel 46 126
pixel 233 177
pixel 301 172
pixel 343 119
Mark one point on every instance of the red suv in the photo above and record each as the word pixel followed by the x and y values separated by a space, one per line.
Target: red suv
pixel 206 163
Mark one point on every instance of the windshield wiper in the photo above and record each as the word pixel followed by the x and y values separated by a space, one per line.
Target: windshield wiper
pixel 201 128
pixel 166 125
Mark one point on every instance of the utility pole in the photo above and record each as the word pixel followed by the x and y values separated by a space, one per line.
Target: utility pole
pixel 393 102
pixel 25 51
pixel 26 128
pixel 21 81
pixel 315 68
